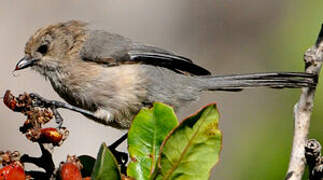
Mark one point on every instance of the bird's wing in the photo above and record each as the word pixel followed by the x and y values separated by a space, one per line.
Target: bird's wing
pixel 112 50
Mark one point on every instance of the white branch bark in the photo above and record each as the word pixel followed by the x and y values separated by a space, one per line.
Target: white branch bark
pixel 302 112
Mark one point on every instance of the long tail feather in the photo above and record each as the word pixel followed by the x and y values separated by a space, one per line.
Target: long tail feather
pixel 273 80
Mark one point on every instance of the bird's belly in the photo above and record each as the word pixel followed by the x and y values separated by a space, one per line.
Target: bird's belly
pixel 115 90
pixel 74 97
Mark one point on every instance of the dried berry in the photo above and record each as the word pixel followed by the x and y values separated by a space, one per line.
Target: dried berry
pixel 21 104
pixel 33 134
pixel 76 161
pixel 71 169
pixel 13 171
pixel 27 125
pixel 38 116
pixel 50 135
pixel 9 157
pixel 24 104
pixel 9 100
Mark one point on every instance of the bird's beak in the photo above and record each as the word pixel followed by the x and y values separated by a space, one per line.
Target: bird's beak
pixel 25 62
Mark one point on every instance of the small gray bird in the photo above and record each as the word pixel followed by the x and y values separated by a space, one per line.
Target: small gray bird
pixel 113 77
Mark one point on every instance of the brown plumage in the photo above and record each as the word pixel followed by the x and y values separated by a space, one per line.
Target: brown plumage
pixel 114 77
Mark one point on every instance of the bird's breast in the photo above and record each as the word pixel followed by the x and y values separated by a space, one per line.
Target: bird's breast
pixel 117 89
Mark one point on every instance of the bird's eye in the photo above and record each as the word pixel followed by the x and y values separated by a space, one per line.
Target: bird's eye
pixel 43 49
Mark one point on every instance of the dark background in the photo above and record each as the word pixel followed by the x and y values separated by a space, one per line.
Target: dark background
pixel 225 36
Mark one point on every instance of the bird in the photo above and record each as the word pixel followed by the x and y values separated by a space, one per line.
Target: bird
pixel 112 77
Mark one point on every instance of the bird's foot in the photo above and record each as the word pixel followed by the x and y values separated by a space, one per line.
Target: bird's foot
pixel 42 102
pixel 54 105
pixel 45 103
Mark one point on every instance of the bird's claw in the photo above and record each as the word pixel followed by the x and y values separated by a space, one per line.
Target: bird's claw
pixel 59 119
pixel 45 103
pixel 39 101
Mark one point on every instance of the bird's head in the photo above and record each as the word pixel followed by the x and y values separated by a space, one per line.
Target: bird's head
pixel 52 45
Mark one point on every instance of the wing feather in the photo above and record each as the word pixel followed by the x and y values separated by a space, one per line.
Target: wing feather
pixel 112 49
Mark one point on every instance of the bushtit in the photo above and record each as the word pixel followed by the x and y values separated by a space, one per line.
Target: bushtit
pixel 113 77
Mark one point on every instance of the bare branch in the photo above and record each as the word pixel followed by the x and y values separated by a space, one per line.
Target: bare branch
pixel 45 161
pixel 303 110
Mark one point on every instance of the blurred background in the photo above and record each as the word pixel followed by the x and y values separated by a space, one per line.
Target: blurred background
pixel 223 36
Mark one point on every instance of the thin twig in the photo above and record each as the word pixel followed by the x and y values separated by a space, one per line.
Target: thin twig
pixel 45 161
pixel 303 110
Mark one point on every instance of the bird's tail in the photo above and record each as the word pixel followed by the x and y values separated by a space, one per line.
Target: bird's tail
pixel 273 80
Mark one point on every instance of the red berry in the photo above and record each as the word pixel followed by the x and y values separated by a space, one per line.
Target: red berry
pixel 51 135
pixel 70 171
pixel 14 171
pixel 9 100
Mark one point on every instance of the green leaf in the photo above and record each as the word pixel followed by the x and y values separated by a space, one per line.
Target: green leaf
pixel 106 166
pixel 148 130
pixel 192 148
pixel 88 164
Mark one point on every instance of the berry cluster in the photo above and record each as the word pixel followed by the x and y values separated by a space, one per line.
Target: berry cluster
pixel 36 118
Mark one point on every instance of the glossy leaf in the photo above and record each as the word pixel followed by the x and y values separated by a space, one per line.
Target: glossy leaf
pixel 88 164
pixel 192 148
pixel 106 166
pixel 148 130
